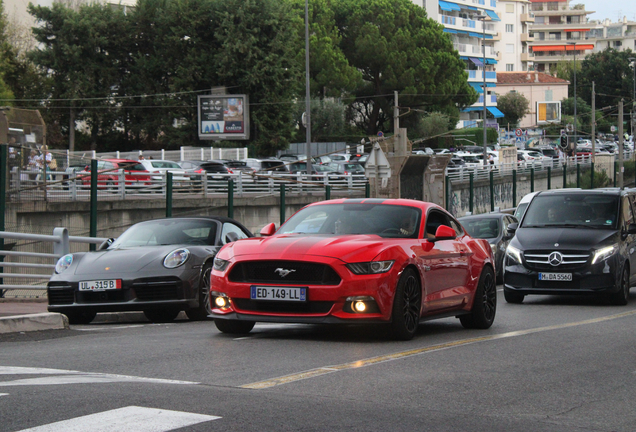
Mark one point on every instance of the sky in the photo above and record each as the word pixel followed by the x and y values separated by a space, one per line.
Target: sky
pixel 612 9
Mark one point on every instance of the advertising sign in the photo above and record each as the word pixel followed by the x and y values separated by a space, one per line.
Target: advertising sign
pixel 224 117
pixel 548 112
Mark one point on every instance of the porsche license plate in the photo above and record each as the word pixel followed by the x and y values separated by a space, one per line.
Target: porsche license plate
pixel 297 294
pixel 555 276
pixel 100 285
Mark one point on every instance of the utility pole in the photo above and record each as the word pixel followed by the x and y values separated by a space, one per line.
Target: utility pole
pixel 307 90
pixel 593 124
pixel 396 115
pixel 620 144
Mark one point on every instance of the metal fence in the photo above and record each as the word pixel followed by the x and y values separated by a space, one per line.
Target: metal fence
pixel 30 270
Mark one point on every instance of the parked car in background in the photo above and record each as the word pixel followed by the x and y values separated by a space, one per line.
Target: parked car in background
pixel 523 205
pixel 263 166
pixel 160 167
pixel 135 174
pixel 321 160
pixel 237 166
pixel 320 171
pixel 394 262
pixel 346 167
pixel 340 157
pixel 492 227
pixel 574 242
pixel 360 158
pixel 456 162
pixel 196 169
pixel 423 151
pixel 292 157
pixel 160 267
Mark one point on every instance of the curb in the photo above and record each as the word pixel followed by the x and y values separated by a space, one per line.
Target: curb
pixel 33 322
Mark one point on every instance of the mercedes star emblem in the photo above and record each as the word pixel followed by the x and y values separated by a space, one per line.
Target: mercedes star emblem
pixel 555 258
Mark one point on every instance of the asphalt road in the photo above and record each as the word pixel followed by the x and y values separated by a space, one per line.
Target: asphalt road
pixel 549 364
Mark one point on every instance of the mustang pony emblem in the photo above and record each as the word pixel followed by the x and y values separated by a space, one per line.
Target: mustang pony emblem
pixel 283 272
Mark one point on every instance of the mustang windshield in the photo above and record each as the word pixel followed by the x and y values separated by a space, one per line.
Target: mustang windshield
pixel 168 232
pixel 340 219
pixel 571 211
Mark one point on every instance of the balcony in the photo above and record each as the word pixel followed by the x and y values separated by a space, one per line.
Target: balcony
pixel 477 76
pixel 527 57
pixel 525 37
pixel 527 17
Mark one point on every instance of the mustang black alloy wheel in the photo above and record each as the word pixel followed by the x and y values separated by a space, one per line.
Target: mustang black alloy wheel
pixel 406 306
pixel 482 315
pixel 204 309
pixel 621 297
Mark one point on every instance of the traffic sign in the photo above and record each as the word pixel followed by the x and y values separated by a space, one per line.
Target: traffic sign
pixel 519 132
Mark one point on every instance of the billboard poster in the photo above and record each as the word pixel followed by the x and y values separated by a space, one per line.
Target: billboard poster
pixel 548 112
pixel 223 117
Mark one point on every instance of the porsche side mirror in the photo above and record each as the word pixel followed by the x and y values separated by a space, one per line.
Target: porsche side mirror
pixel 105 244
pixel 231 237
pixel 444 232
pixel 268 230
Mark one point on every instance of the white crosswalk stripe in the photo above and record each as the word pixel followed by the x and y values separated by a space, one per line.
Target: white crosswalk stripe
pixel 128 419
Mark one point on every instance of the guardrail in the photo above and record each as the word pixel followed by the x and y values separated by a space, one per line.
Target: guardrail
pixel 61 246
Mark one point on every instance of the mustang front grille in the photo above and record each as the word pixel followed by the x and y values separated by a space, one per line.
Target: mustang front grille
pixel 284 273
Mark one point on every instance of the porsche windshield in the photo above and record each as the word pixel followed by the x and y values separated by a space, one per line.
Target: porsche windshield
pixel 340 219
pixel 572 211
pixel 168 232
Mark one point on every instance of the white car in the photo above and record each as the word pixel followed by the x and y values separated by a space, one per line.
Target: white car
pixel 472 160
pixel 161 167
pixel 340 157
pixel 534 157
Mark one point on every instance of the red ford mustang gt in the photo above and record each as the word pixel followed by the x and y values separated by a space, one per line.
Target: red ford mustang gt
pixel 393 261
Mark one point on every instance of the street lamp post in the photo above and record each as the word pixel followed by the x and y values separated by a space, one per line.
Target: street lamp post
pixel 633 60
pixel 482 18
pixel 574 45
pixel 307 89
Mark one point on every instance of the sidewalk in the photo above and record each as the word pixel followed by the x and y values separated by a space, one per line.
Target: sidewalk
pixel 9 307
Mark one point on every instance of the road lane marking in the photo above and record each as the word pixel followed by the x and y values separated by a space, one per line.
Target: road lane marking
pixel 4 394
pixel 109 327
pixel 131 418
pixel 74 377
pixel 312 373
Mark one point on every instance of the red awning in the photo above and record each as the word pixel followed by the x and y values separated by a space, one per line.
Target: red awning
pixel 579 47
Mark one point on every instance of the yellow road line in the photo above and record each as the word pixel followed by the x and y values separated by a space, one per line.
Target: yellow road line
pixel 312 373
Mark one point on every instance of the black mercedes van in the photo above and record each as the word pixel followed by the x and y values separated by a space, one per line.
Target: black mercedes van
pixel 573 241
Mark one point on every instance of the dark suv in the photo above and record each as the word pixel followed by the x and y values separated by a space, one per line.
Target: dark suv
pixel 573 242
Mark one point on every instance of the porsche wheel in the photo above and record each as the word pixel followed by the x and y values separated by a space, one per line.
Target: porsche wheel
pixel 204 309
pixel 482 314
pixel 80 317
pixel 621 297
pixel 234 326
pixel 406 306
pixel 161 315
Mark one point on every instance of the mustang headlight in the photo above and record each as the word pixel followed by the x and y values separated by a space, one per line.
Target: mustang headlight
pixel 604 253
pixel 372 267
pixel 514 255
pixel 176 258
pixel 63 263
pixel 220 264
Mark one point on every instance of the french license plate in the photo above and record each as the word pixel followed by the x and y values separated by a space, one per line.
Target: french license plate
pixel 100 285
pixel 555 276
pixel 297 294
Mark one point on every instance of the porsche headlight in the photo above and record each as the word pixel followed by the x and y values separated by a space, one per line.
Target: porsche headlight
pixel 176 258
pixel 604 253
pixel 372 267
pixel 514 255
pixel 220 264
pixel 63 263
pixel 493 246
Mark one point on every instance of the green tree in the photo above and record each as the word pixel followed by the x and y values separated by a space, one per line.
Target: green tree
pixel 613 77
pixel 6 55
pixel 397 48
pixel 514 106
pixel 583 114
pixel 431 125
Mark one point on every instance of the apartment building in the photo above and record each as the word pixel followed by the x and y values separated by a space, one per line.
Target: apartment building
pixel 560 33
pixel 620 35
pixel 468 23
pixel 514 36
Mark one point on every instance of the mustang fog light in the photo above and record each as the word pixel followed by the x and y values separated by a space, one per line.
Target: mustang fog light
pixel 63 263
pixel 176 258
pixel 361 304
pixel 604 253
pixel 221 300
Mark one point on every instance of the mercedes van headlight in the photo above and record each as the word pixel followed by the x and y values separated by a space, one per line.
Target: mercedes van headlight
pixel 514 255
pixel 604 253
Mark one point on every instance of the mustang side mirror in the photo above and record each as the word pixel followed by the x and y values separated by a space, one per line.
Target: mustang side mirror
pixel 512 229
pixel 444 232
pixel 268 230
pixel 105 244
pixel 231 237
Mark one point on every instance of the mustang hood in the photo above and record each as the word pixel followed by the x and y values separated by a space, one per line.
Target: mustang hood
pixel 294 246
pixel 567 238
pixel 123 260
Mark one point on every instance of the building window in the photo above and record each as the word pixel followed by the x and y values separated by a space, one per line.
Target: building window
pixel 510 28
pixel 553 6
pixel 617 44
pixel 510 67
pixel 537 7
pixel 510 8
pixel 539 20
pixel 539 36
pixel 510 48
pixel 555 36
